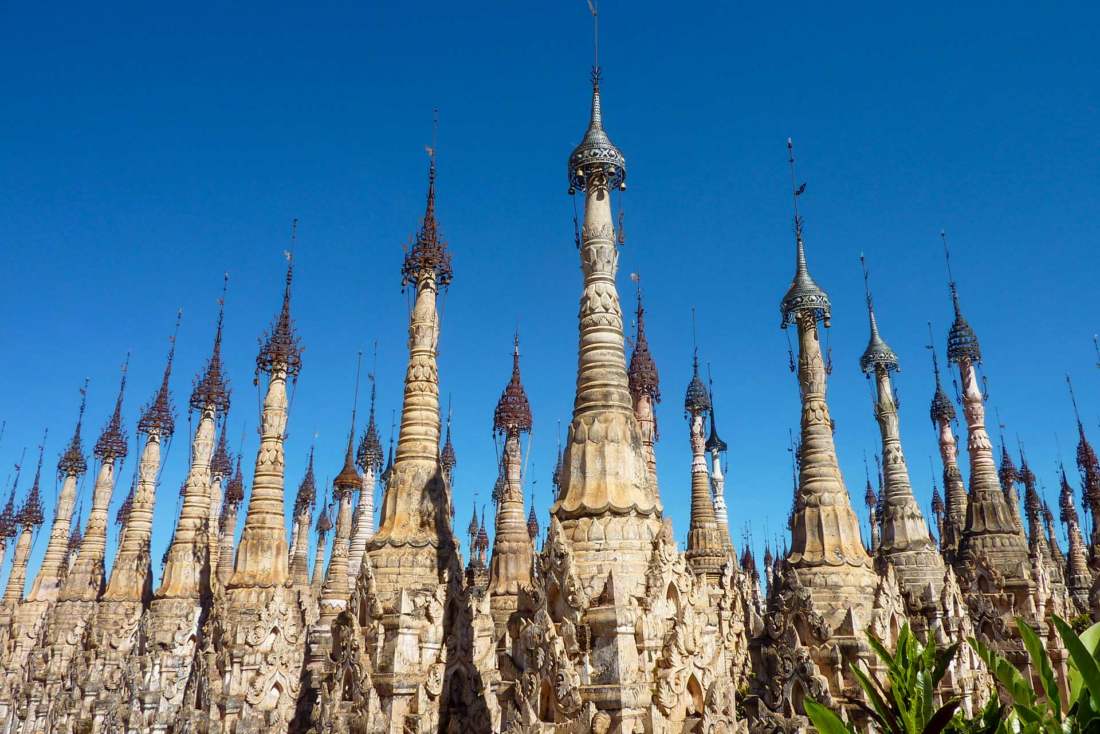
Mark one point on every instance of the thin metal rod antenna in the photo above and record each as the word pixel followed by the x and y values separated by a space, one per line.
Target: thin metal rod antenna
pixel 1096 346
pixel 1073 399
pixel 866 281
pixel 694 338
pixel 593 7
pixel 796 190
pixel 947 258
pixel 355 399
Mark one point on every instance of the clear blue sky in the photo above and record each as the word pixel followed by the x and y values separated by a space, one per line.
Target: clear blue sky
pixel 145 152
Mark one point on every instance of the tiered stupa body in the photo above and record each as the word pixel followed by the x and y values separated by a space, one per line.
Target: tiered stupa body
pixel 117 670
pixel 180 604
pixel 368 458
pixel 62 663
pixel 827 578
pixel 262 643
pixel 942 412
pixel 706 544
pixel 619 633
pixel 905 541
pixel 1078 574
pixel 26 628
pixel 510 565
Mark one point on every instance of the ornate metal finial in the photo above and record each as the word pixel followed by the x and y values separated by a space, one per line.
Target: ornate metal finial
pixel 482 533
pixel 158 414
pixel 122 516
pixel 942 408
pixel 804 295
pixel 307 490
pixel 1065 498
pixel 513 412
pixel 387 473
pixel 112 442
pixel 555 478
pixel 696 399
pixel 369 455
pixel 447 458
pixel 347 481
pixel 234 489
pixel 962 342
pixel 72 462
pixel 212 387
pixel 869 498
pixel 221 464
pixel 938 506
pixel 7 517
pixel 1073 400
pixel 30 515
pixel 428 257
pixel 532 520
pixel 878 353
pixel 324 521
pixel 596 162
pixel 642 375
pixel 280 346
pixel 714 443
pixel 1087 461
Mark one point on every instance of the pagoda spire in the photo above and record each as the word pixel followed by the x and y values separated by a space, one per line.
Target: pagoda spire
pixel 825 531
pixel 227 524
pixel 415 517
pixel 368 458
pixel 510 566
pixel 7 516
pixel 303 518
pixel 905 540
pixel 221 468
pixel 337 590
pixel 644 383
pixel 870 501
pixel 195 533
pixel 71 467
pixel 262 552
pixel 1009 475
pixel 715 446
pixel 706 552
pixel 1078 574
pixel 131 573
pixel 605 469
pixel 938 509
pixel 324 527
pixel 28 519
pixel 991 531
pixel 85 580
pixel 942 413
pixel 1089 466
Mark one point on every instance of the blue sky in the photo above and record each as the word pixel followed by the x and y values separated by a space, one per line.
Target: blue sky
pixel 146 152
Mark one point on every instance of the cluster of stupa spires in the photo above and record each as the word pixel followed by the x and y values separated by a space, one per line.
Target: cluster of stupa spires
pixel 606 626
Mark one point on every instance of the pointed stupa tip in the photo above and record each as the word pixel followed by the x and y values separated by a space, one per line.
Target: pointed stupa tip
pixel 938 506
pixel 428 257
pixel 596 160
pixel 1026 475
pixel 369 454
pixel 804 295
pixel 448 459
pixel 75 538
pixel 7 517
pixel 234 489
pixel 347 481
pixel 942 409
pixel 471 529
pixel 112 441
pixel 72 462
pixel 307 490
pixel 482 533
pixel 30 515
pixel 870 499
pixel 280 345
pixel 696 398
pixel 555 478
pixel 878 353
pixel 642 374
pixel 1065 500
pixel 714 443
pixel 962 342
pixel 211 387
pixel 158 416
pixel 768 558
pixel 122 516
pixel 513 412
pixel 532 522
pixel 324 522
pixel 221 463
pixel 1008 472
